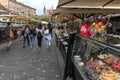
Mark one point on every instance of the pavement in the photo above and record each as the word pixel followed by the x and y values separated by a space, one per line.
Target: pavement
pixel 31 64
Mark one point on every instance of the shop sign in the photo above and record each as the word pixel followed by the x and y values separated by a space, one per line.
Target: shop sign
pixel 84 30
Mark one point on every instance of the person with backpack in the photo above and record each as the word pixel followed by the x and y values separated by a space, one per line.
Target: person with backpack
pixel 39 35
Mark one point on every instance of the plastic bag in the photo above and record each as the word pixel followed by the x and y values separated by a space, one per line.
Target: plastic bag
pixel 46 31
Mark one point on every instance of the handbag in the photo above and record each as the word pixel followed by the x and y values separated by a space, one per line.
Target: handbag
pixel 46 32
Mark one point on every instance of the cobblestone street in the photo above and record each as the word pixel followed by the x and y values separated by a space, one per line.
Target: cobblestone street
pixel 30 64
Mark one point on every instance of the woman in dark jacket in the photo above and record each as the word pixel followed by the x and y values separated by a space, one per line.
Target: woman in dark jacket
pixel 39 38
pixel 32 35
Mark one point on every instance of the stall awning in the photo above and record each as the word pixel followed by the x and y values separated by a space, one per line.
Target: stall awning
pixel 86 10
pixel 17 17
pixel 83 8
pixel 64 17
pixel 89 6
pixel 14 17
pixel 105 4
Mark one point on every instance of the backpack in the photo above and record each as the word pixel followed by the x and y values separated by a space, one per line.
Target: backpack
pixel 39 35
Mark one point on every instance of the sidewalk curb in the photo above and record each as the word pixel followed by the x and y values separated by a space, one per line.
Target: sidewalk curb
pixel 60 59
pixel 61 62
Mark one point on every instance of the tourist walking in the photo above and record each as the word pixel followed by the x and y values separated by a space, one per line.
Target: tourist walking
pixel 9 34
pixel 26 33
pixel 39 31
pixel 48 37
pixel 32 35
pixel 50 28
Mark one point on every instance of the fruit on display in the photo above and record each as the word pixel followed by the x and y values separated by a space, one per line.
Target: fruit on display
pixel 102 56
pixel 100 30
pixel 116 65
pixel 101 62
pixel 108 58
pixel 99 68
pixel 97 26
pixel 103 26
pixel 95 30
pixel 93 24
pixel 109 75
pixel 106 72
pixel 100 23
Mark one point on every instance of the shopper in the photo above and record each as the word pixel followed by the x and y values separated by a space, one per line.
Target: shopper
pixel 50 28
pixel 26 33
pixel 9 34
pixel 48 37
pixel 32 35
pixel 39 31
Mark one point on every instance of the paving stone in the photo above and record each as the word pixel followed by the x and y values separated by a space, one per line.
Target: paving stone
pixel 26 64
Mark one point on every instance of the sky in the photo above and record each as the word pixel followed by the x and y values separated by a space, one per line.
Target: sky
pixel 39 4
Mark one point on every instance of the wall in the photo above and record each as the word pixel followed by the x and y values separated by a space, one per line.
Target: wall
pixel 18 8
pixel 4 3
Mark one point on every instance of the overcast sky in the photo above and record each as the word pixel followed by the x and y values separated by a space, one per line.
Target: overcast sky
pixel 39 4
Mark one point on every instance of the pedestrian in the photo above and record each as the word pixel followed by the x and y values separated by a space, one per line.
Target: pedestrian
pixel 32 35
pixel 39 31
pixel 26 33
pixel 48 37
pixel 9 34
pixel 50 28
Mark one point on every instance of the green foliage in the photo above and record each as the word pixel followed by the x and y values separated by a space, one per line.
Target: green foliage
pixel 35 23
pixel 45 19
pixel 35 17
pixel 41 18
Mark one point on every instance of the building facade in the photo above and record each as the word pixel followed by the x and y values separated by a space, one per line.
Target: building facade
pixel 18 8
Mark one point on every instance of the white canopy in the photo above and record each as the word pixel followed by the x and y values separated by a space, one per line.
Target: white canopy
pixel 83 8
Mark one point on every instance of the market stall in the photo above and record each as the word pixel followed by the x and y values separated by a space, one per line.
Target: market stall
pixel 16 20
pixel 83 59
pixel 94 60
pixel 18 23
